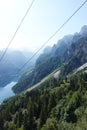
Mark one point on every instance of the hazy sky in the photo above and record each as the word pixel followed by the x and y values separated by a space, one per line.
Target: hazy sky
pixel 44 18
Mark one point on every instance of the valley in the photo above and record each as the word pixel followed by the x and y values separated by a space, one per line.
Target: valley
pixel 11 64
pixel 51 95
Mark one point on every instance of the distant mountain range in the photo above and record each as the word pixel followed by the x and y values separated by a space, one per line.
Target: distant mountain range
pixel 11 63
pixel 68 54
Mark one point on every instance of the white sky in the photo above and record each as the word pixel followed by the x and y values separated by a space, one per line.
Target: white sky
pixel 44 18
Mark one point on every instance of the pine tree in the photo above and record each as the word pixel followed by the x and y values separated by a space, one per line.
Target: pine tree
pixel 1 122
pixel 52 102
pixel 25 121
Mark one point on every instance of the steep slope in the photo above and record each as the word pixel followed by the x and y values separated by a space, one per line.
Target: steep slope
pixel 69 53
pixel 62 45
pixel 58 104
pixel 45 64
pixel 79 57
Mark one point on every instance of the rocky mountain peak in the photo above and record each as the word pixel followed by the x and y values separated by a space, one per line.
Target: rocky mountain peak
pixel 83 30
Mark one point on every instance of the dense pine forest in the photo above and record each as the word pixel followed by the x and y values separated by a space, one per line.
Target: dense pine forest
pixel 58 104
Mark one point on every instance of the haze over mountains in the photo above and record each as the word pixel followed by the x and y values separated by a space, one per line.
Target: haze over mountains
pixel 51 56
pixel 69 53
pixel 11 63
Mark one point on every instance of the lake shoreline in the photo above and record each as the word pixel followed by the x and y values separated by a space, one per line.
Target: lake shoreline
pixel 7 92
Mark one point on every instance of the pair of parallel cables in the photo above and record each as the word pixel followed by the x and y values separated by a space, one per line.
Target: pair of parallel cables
pixel 4 53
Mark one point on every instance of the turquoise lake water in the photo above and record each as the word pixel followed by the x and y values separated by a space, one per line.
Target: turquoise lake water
pixel 6 91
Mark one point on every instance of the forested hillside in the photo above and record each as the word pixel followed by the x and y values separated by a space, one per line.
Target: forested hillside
pixel 58 104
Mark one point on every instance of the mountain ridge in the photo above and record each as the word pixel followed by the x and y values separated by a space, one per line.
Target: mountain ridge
pixel 11 63
pixel 60 55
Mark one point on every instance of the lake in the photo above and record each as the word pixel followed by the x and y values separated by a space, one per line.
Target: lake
pixel 6 91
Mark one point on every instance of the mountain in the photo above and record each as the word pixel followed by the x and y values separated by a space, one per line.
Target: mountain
pixel 62 45
pixel 81 34
pixel 83 30
pixel 47 49
pixel 77 55
pixel 11 63
pixel 68 54
pixel 59 101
